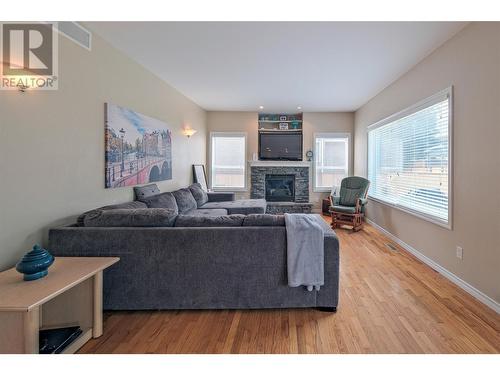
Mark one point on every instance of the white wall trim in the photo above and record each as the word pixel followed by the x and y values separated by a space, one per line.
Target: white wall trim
pixel 488 301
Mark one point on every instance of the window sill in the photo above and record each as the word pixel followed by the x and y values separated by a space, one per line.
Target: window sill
pixel 433 220
pixel 322 190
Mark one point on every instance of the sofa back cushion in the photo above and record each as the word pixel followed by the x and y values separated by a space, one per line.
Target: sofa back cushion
pixel 209 221
pixel 126 205
pixel 139 217
pixel 264 220
pixel 185 200
pixel 163 200
pixel 200 195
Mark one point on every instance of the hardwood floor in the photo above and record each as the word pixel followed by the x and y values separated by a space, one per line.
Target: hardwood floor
pixel 390 302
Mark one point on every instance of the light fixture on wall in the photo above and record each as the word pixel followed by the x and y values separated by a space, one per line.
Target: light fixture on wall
pixel 188 132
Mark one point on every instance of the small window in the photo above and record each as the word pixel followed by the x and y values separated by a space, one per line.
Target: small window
pixel 331 160
pixel 409 159
pixel 227 161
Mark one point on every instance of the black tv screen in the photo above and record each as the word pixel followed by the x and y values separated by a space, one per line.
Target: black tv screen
pixel 280 146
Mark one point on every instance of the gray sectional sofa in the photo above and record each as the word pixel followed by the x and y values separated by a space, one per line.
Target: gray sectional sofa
pixel 218 254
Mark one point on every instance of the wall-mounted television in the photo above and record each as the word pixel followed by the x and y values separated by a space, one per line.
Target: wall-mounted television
pixel 274 145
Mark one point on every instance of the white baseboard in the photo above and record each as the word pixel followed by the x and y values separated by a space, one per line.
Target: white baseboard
pixel 488 301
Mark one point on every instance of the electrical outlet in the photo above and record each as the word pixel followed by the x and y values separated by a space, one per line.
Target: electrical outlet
pixel 460 252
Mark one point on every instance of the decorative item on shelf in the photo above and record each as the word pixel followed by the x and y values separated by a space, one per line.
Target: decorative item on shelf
pixel 295 124
pixel 283 126
pixel 309 155
pixel 34 265
pixel 282 118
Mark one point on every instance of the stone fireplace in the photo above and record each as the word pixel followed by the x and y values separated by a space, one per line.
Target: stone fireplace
pixel 284 185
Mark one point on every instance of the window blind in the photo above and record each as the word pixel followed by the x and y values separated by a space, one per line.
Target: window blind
pixel 408 159
pixel 228 160
pixel 331 160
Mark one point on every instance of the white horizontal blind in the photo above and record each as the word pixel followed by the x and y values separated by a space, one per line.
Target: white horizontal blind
pixel 228 160
pixel 408 159
pixel 331 160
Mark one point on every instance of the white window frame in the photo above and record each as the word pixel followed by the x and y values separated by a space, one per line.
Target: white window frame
pixel 448 92
pixel 228 134
pixel 349 153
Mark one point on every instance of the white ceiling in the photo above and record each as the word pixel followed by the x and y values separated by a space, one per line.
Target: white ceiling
pixel 238 66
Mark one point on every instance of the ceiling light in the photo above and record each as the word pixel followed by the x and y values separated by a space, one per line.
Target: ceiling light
pixel 261 107
pixel 299 107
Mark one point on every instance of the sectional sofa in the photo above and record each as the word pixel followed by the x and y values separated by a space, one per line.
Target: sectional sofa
pixel 220 253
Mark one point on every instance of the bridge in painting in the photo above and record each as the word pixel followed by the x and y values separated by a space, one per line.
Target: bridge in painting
pixel 136 171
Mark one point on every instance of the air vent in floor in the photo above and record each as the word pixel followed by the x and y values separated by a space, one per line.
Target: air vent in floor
pixel 391 247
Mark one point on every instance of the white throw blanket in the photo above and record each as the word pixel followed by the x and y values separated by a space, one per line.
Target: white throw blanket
pixel 305 251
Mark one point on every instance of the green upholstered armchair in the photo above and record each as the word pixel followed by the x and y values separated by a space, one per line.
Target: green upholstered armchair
pixel 348 207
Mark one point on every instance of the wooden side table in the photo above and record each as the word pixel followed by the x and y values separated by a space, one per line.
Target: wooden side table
pixel 325 206
pixel 71 294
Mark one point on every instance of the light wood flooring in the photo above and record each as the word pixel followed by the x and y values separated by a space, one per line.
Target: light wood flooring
pixel 390 302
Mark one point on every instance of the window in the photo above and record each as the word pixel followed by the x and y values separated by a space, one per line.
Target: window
pixel 228 165
pixel 331 160
pixel 409 159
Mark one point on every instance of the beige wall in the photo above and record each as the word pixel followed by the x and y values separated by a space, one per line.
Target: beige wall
pixel 470 62
pixel 314 122
pixel 52 143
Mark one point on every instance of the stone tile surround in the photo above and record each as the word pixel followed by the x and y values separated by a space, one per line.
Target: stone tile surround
pixel 258 179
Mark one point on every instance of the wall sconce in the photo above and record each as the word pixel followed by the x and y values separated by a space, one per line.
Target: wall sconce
pixel 188 132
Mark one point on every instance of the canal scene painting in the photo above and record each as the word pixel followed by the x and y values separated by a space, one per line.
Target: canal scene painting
pixel 138 148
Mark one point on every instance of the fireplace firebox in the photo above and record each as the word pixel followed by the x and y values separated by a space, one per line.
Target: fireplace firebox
pixel 280 188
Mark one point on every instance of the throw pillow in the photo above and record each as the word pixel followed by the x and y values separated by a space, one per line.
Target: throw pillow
pixel 146 191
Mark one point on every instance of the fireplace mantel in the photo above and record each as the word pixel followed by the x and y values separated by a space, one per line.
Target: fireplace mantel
pixel 279 163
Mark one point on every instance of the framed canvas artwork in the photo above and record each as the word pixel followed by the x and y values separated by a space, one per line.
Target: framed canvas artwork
pixel 200 176
pixel 138 148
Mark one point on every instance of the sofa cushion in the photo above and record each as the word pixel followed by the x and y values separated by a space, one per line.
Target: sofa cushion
pixel 220 196
pixel 209 221
pixel 241 206
pixel 163 200
pixel 264 220
pixel 126 205
pixel 146 191
pixel 206 212
pixel 343 209
pixel 185 200
pixel 139 217
pixel 200 195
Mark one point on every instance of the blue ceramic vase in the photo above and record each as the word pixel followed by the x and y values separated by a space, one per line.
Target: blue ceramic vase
pixel 34 265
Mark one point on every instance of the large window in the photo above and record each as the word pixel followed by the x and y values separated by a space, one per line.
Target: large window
pixel 227 161
pixel 409 159
pixel 331 160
